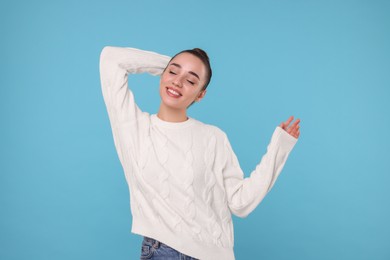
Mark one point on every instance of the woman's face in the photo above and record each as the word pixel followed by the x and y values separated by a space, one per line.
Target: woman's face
pixel 182 81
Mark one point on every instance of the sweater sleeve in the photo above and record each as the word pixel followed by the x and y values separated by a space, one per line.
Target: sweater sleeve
pixel 244 194
pixel 125 116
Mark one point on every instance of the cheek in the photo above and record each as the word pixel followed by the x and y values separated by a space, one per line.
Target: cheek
pixel 192 94
pixel 164 78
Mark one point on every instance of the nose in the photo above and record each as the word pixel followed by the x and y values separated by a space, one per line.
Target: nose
pixel 177 81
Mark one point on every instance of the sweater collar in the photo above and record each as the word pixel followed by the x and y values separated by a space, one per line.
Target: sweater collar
pixel 171 125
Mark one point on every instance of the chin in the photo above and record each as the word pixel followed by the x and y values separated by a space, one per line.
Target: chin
pixel 171 104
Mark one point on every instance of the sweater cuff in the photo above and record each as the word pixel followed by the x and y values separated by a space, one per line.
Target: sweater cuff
pixel 284 139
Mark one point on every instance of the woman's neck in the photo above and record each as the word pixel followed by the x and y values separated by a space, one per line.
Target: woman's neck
pixel 172 115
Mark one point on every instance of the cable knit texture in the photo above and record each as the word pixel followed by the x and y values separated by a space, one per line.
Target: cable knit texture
pixel 184 178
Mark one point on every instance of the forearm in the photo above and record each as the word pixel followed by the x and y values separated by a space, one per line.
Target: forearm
pixel 117 62
pixel 133 60
pixel 115 65
pixel 249 192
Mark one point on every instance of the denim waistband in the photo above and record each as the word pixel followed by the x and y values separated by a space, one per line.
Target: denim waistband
pixel 152 242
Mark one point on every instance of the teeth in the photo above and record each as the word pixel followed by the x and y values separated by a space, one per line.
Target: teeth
pixel 173 92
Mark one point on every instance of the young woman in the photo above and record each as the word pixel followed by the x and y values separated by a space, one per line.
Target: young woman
pixel 184 178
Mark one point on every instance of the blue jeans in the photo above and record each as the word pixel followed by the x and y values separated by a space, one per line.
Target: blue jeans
pixel 153 249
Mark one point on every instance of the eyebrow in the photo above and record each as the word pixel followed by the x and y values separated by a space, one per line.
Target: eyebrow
pixel 190 72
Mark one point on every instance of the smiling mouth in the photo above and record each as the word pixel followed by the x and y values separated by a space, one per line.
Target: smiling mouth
pixel 173 93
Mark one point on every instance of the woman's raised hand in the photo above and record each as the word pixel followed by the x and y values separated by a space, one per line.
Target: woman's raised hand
pixel 292 129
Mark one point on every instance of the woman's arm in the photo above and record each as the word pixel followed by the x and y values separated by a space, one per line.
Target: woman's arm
pixel 244 194
pixel 115 65
pixel 125 116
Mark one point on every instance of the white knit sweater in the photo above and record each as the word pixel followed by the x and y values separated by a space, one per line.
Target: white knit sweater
pixel 184 178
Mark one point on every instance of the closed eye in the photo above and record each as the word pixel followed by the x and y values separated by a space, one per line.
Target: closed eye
pixel 191 82
pixel 172 72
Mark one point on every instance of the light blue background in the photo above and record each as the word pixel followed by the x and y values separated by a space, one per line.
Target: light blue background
pixel 63 194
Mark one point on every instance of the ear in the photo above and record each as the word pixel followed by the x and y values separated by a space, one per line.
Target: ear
pixel 200 95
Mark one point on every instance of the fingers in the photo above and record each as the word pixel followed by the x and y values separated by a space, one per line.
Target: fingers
pixel 289 120
pixel 285 124
pixel 292 129
pixel 295 124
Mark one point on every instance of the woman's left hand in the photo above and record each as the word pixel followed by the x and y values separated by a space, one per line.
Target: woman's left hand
pixel 292 129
